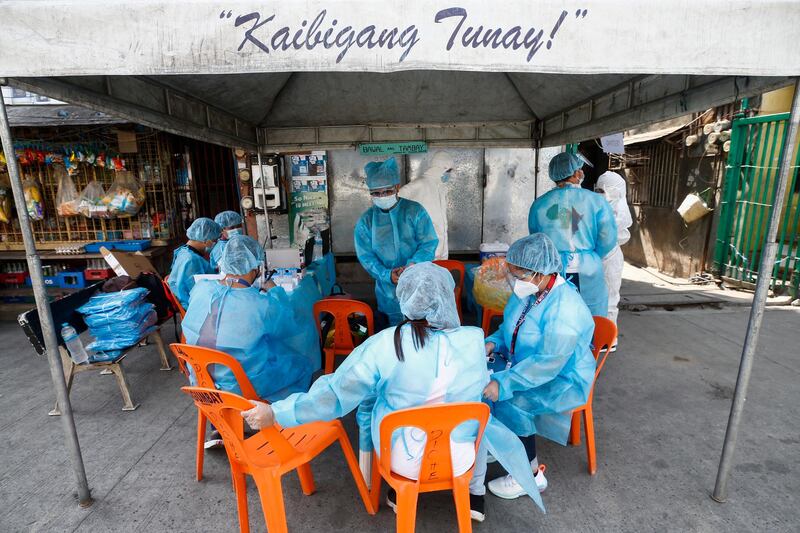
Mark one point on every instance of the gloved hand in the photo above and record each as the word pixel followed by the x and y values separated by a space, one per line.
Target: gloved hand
pixel 260 416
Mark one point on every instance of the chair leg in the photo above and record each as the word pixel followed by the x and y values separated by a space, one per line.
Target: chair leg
pixel 69 375
pixel 591 452
pixel 271 493
pixel 119 373
pixel 407 509
pixel 306 479
pixel 201 441
pixel 358 477
pixel 461 497
pixel 575 429
pixel 329 360
pixel 159 342
pixel 240 488
pixel 375 484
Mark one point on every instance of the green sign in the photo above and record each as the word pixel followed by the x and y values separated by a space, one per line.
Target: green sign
pixel 412 147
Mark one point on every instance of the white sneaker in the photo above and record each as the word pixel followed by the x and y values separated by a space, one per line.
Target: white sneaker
pixel 507 487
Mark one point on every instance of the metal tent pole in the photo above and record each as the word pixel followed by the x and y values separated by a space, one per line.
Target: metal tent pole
pixel 759 299
pixel 43 307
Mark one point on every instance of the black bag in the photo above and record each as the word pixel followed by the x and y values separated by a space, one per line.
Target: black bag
pixel 156 295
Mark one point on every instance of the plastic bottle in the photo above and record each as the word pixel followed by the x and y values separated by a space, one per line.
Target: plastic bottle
pixel 74 344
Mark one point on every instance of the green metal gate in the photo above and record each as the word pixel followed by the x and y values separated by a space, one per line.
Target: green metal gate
pixel 748 195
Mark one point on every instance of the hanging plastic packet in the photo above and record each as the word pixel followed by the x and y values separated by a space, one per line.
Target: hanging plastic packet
pixel 67 196
pixel 33 199
pixel 6 197
pixel 90 203
pixel 126 196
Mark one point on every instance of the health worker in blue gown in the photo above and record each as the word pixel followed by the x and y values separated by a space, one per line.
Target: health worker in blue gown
pixel 231 224
pixel 257 328
pixel 541 356
pixel 192 258
pixel 582 226
pixel 428 359
pixel 391 235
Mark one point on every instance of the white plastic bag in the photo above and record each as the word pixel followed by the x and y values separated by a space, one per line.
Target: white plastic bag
pixel 91 203
pixel 67 196
pixel 126 196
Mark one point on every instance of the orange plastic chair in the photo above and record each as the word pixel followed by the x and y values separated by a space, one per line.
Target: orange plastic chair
pixel 436 472
pixel 200 359
pixel 486 321
pixel 341 309
pixel 605 333
pixel 171 297
pixel 270 453
pixel 455 267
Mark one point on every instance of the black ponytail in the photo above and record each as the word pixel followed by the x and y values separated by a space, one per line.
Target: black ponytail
pixel 419 332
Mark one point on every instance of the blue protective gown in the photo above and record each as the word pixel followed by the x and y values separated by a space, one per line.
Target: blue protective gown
pixel 582 226
pixel 386 240
pixel 216 253
pixel 186 263
pixel 261 330
pixel 553 368
pixel 374 380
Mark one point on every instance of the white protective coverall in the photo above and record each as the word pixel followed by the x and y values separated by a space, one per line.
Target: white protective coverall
pixel 431 191
pixel 615 191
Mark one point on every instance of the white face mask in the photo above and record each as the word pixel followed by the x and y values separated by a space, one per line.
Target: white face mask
pixel 385 202
pixel 523 289
pixel 233 231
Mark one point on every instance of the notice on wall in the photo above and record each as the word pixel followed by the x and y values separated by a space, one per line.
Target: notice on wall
pixel 308 200
pixel 613 144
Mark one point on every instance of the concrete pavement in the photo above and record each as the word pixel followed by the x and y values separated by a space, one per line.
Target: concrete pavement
pixel 660 410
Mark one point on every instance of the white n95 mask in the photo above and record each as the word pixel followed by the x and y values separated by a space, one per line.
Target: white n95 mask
pixel 385 202
pixel 523 289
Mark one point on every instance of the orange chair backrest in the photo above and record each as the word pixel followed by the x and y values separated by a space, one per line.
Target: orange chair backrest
pixel 171 297
pixel 486 321
pixel 453 266
pixel 605 333
pixel 224 409
pixel 200 360
pixel 438 422
pixel 341 309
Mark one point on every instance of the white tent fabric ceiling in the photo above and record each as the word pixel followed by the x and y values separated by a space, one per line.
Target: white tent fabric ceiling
pixel 334 73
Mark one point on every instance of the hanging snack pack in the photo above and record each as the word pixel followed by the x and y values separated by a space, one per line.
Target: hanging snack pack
pixel 125 197
pixel 33 199
pixel 6 197
pixel 90 203
pixel 491 288
pixel 67 196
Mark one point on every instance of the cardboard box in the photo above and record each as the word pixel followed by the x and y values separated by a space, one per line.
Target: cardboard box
pixel 127 263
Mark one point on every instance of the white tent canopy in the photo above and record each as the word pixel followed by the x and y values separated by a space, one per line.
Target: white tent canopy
pixel 316 73
pixel 335 73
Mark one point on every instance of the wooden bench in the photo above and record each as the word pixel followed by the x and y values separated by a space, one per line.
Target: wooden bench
pixel 64 310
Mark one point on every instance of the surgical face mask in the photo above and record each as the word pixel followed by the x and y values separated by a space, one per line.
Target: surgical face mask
pixel 209 248
pixel 385 202
pixel 233 231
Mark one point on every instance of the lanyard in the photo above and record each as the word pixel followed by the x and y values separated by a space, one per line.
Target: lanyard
pixel 240 281
pixel 531 304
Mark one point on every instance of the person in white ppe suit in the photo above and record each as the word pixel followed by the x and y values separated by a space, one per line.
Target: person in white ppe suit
pixel 431 191
pixel 614 188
